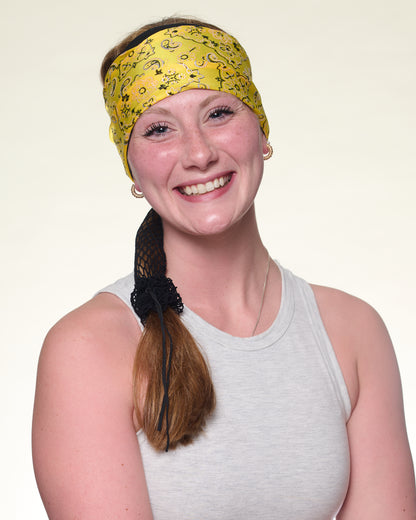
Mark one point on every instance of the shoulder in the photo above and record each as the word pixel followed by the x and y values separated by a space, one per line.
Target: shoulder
pixel 84 436
pixel 93 344
pixel 342 307
pixel 104 327
pixel 382 478
pixel 357 333
pixel 91 348
pixel 353 324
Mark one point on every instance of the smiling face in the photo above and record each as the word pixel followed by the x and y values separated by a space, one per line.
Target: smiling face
pixel 198 158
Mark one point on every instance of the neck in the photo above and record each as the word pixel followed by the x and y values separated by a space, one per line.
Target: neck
pixel 211 258
pixel 228 269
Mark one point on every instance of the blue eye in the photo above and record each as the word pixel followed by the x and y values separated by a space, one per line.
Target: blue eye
pixel 156 129
pixel 219 112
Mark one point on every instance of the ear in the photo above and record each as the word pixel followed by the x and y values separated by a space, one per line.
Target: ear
pixel 137 186
pixel 264 143
pixel 135 180
pixel 132 175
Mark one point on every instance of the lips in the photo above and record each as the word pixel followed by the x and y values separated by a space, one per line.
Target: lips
pixel 201 188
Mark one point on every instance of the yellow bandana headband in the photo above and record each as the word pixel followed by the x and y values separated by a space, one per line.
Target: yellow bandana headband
pixel 171 61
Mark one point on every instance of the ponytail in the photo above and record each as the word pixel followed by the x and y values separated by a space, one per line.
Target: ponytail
pixel 169 369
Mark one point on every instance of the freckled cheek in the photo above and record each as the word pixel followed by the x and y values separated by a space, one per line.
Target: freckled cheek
pixel 244 138
pixel 151 166
pixel 243 147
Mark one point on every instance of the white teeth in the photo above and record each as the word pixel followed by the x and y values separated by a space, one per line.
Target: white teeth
pixel 200 189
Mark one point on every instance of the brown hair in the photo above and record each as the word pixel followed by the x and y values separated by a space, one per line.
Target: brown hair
pixel 191 392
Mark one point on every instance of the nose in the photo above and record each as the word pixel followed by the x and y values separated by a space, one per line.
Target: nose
pixel 199 150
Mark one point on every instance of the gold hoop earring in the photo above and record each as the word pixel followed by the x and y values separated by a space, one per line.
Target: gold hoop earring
pixel 269 152
pixel 136 194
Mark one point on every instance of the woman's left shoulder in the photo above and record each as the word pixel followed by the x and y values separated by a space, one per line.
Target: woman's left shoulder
pixel 351 320
pixel 381 461
pixel 354 326
pixel 357 333
pixel 345 309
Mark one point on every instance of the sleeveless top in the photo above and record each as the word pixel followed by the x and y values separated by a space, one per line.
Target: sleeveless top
pixel 276 446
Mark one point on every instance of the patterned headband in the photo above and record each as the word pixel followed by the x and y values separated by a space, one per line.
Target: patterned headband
pixel 171 61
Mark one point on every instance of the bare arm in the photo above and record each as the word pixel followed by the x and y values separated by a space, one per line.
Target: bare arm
pixel 86 456
pixel 382 484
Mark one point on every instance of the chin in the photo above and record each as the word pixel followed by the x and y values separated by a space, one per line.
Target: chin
pixel 206 221
pixel 216 224
pixel 211 229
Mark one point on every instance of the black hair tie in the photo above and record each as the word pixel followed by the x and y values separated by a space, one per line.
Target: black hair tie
pixel 153 291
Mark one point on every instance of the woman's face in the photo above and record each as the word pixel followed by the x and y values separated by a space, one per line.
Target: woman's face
pixel 198 158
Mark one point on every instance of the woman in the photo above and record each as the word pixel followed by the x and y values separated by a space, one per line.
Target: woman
pixel 259 396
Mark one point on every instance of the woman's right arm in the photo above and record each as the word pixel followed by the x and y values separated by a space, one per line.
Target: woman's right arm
pixel 85 451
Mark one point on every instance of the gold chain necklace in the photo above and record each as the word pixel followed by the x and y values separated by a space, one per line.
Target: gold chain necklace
pixel 264 292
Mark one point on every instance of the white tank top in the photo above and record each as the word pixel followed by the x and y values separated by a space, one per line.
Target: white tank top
pixel 276 446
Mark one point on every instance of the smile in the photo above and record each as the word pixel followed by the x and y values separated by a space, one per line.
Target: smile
pixel 200 189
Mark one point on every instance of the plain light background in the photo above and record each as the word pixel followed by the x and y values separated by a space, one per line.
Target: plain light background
pixel 338 83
